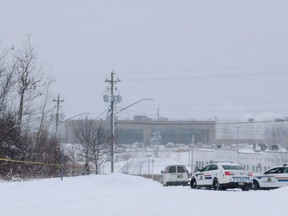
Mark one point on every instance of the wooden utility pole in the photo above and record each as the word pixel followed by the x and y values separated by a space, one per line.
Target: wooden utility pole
pixel 113 100
pixel 58 101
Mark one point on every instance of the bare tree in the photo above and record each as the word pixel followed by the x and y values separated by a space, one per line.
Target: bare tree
pixel 27 78
pixel 83 134
pixel 98 147
pixel 6 75
pixel 94 142
pixel 45 111
pixel 74 158
pixel 21 76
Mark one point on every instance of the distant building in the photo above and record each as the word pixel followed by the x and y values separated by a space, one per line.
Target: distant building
pixel 142 130
pixel 252 160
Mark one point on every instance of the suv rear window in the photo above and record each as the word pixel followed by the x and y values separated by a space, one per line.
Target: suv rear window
pixel 172 169
pixel 181 169
pixel 232 167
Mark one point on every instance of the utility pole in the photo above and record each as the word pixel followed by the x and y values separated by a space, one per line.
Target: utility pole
pixel 113 99
pixel 158 133
pixel 192 153
pixel 58 101
pixel 148 164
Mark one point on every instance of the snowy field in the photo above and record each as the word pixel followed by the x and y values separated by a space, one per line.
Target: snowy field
pixel 124 195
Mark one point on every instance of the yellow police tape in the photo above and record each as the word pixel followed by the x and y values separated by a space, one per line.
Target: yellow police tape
pixel 30 162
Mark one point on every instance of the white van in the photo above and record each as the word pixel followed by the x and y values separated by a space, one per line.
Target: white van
pixel 175 175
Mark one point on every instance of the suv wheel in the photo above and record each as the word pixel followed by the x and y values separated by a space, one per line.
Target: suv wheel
pixel 255 185
pixel 193 183
pixel 216 184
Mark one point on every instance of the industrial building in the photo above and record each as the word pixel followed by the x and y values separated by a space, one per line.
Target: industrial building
pixel 149 131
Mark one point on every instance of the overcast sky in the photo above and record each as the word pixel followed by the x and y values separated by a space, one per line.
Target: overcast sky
pixel 197 59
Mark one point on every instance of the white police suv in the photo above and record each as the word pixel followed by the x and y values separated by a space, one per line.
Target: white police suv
pixel 273 178
pixel 222 175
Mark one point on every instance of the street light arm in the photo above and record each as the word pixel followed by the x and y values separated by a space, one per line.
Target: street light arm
pixel 132 105
pixel 73 117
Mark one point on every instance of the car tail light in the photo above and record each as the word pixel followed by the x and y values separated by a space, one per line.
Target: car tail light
pixel 228 173
pixel 250 173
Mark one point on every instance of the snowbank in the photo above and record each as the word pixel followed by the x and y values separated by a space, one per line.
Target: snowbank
pixel 119 194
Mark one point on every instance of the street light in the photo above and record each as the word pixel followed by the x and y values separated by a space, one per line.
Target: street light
pixel 152 169
pixel 191 152
pixel 148 157
pixel 144 99
pixel 112 122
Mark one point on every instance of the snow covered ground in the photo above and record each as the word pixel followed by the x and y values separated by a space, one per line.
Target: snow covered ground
pixel 125 195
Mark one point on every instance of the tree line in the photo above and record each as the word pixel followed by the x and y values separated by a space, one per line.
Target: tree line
pixel 26 116
pixel 29 147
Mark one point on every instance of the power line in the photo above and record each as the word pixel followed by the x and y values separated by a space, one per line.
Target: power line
pixel 199 122
pixel 205 76
pixel 251 67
